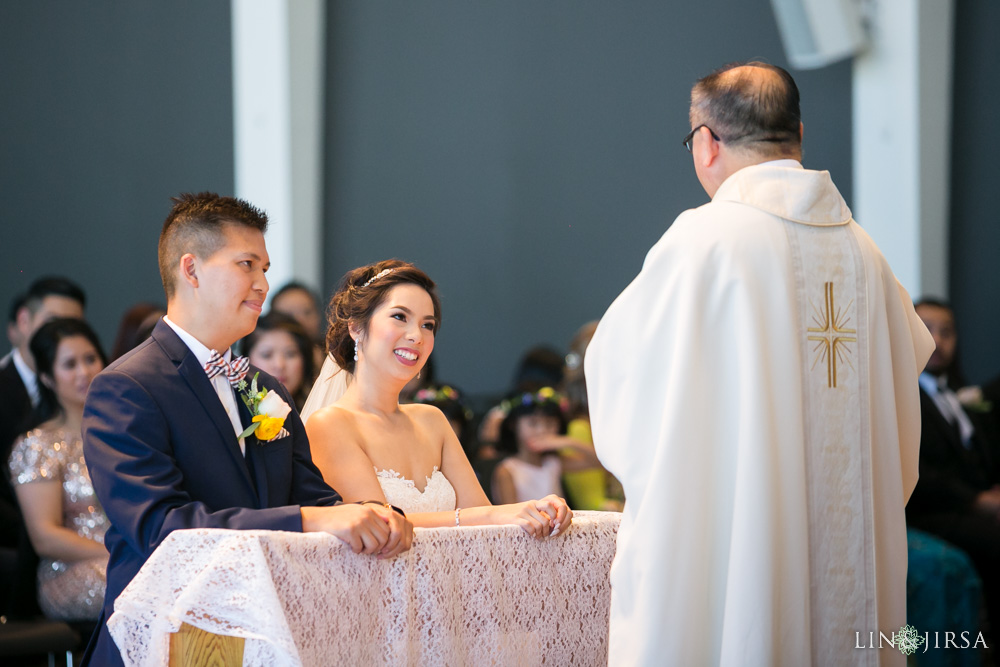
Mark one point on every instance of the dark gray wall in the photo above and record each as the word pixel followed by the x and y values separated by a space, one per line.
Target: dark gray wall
pixel 527 154
pixel 975 223
pixel 108 109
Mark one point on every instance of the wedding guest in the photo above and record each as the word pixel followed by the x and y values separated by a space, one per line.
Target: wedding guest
pixel 529 436
pixel 957 496
pixel 13 334
pixel 135 326
pixel 279 346
pixel 588 486
pixel 383 320
pixel 540 366
pixel 298 301
pixel 65 522
pixel 166 435
pixel 47 298
pixel 449 401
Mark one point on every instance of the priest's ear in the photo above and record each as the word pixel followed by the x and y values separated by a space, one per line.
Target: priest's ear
pixel 707 150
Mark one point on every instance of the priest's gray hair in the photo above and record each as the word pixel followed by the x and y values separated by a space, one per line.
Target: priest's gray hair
pixel 752 105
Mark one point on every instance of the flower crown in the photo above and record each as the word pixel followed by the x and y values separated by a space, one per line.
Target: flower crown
pixel 431 394
pixel 544 396
pixel 442 394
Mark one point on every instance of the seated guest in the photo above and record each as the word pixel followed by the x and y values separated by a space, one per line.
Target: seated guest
pixel 957 496
pixel 540 366
pixel 943 594
pixel 298 301
pixel 530 436
pixel 279 346
pixel 13 335
pixel 449 401
pixel 383 320
pixel 45 299
pixel 135 327
pixel 65 521
pixel 588 485
pixel 169 440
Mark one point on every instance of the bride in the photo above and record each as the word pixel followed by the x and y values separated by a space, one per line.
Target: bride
pixel 369 447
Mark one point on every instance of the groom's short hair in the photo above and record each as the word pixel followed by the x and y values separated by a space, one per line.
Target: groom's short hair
pixel 195 225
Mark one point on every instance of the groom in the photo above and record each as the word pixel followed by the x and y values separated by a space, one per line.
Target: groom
pixel 161 425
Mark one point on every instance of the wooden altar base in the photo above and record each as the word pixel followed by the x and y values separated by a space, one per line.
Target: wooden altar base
pixel 191 646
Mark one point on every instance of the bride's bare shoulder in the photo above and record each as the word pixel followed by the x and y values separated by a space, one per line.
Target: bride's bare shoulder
pixel 332 416
pixel 427 416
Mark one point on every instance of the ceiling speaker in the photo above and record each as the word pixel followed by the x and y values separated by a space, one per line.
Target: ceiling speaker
pixel 817 33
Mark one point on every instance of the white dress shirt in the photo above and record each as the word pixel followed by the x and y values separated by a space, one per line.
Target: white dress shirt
pixel 28 377
pixel 220 382
pixel 948 404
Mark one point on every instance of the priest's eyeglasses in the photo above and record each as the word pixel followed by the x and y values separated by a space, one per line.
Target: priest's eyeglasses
pixel 688 140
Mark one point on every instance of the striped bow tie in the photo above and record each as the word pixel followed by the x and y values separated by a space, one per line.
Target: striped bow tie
pixel 235 371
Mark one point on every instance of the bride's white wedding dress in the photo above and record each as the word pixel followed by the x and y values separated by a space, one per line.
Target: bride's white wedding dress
pixel 438 495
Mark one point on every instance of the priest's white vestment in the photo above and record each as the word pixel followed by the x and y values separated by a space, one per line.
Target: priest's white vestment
pixel 754 389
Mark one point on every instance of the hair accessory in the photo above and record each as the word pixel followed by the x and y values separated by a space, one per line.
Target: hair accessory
pixel 380 274
pixel 544 396
pixel 355 350
pixel 441 396
pixel 431 394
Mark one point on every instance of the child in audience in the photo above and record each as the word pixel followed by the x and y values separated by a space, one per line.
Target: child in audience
pixel 530 433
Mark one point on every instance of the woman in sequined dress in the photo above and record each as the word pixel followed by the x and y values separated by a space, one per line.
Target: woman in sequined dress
pixel 65 522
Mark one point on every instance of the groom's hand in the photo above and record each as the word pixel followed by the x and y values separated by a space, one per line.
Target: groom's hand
pixel 360 526
pixel 400 531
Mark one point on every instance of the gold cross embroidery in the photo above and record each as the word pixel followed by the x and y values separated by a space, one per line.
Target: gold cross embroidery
pixel 830 345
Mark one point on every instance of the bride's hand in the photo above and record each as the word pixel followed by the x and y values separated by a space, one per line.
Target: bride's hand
pixel 538 518
pixel 556 507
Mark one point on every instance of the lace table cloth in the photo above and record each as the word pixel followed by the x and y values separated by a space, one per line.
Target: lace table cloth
pixel 461 596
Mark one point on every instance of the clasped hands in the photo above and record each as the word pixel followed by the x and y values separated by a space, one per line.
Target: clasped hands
pixel 546 517
pixel 367 529
pixel 375 529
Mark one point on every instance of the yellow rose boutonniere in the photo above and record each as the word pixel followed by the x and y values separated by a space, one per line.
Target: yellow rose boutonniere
pixel 268 410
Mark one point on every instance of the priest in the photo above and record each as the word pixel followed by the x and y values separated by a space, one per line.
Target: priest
pixel 755 391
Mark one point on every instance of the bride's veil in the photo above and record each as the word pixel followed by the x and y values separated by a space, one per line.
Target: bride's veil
pixel 330 385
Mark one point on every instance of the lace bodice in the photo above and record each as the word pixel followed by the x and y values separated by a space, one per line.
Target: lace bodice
pixel 438 495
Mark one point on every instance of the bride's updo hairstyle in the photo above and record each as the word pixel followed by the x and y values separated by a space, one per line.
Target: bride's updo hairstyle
pixel 359 293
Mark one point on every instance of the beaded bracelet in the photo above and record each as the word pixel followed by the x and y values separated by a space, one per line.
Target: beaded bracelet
pixel 457 510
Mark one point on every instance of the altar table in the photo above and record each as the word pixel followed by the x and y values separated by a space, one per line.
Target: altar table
pixel 487 595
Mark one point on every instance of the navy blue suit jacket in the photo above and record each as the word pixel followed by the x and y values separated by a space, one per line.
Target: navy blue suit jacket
pixel 163 456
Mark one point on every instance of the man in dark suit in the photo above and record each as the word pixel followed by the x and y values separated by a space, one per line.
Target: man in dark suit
pixel 46 299
pixel 957 496
pixel 162 424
